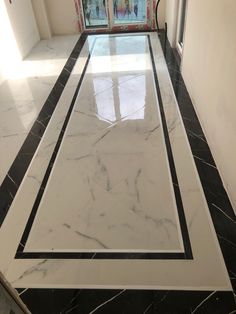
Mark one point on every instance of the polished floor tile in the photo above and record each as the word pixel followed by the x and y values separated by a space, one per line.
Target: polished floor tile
pixel 112 198
pixel 25 91
pixel 121 196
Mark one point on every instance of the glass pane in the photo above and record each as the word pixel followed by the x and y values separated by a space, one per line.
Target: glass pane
pixel 129 11
pixel 95 14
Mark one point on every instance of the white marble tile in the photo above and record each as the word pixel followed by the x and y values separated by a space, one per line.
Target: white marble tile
pixel 24 92
pixel 120 197
pixel 93 150
pixel 34 176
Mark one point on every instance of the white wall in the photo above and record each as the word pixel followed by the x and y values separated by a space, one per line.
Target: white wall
pixel 2 76
pixel 62 16
pixel 171 20
pixel 161 13
pixel 23 24
pixel 209 69
pixel 42 20
pixel 18 33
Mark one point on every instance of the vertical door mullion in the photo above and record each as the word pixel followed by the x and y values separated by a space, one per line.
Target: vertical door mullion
pixel 110 14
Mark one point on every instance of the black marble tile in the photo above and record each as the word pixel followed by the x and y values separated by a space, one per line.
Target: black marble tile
pixel 65 301
pixel 57 90
pixel 64 77
pixel 70 63
pixel 221 210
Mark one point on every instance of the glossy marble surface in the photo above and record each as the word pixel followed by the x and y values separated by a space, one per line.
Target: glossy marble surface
pixel 128 301
pixel 23 94
pixel 88 175
pixel 121 195
pixel 90 139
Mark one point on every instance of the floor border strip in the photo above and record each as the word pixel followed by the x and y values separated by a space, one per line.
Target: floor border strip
pixel 106 301
pixel 178 198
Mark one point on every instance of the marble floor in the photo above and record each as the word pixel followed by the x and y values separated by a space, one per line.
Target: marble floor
pixel 106 200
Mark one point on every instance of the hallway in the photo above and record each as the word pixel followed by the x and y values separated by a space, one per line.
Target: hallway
pixel 109 194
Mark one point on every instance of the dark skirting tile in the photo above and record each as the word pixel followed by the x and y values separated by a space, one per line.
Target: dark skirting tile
pixel 63 301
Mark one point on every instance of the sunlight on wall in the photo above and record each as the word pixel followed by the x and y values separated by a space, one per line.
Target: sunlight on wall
pixel 9 52
pixel 10 60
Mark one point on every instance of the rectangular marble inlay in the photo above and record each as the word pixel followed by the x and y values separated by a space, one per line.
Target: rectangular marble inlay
pixel 109 192
pixel 111 188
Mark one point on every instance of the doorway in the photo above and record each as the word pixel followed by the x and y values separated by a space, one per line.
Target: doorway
pixel 115 15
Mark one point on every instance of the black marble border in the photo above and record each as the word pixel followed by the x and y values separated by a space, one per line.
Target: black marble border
pixel 187 254
pixel 177 193
pixel 219 205
pixel 76 301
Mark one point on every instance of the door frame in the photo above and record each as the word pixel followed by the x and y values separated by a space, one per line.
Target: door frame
pixel 112 27
pixel 91 28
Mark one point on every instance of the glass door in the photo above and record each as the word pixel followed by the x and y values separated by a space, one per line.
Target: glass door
pixel 129 12
pixel 115 15
pixel 95 13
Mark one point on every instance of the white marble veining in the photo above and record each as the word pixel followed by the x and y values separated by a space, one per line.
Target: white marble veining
pixel 24 92
pixel 120 195
pixel 99 141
